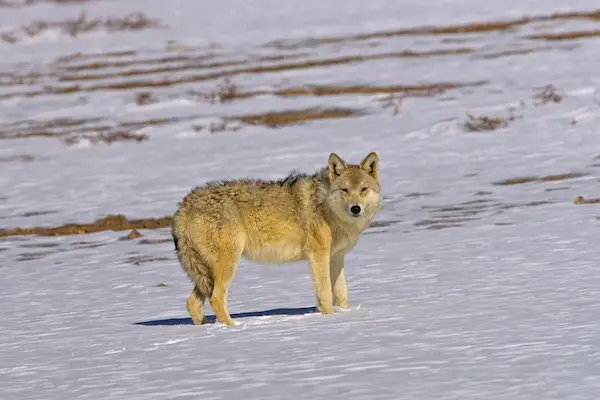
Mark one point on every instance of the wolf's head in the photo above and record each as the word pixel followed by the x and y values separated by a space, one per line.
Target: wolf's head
pixel 354 189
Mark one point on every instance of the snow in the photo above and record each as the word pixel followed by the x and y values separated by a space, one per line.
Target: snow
pixel 501 301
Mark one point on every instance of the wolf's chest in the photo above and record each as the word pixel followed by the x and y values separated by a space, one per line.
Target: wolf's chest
pixel 343 243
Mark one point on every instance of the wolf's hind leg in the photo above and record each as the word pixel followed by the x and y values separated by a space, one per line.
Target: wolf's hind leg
pixel 224 270
pixel 195 306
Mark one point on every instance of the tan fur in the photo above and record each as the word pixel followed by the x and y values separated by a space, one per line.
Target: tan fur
pixel 301 217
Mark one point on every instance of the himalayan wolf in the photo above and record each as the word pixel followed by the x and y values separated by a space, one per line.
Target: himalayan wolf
pixel 317 218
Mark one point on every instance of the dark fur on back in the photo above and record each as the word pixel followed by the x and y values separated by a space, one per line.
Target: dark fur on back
pixel 293 178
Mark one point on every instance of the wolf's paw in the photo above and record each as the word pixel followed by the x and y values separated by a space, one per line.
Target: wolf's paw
pixel 341 309
pixel 197 321
pixel 325 309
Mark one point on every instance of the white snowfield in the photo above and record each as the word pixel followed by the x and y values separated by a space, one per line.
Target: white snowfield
pixel 465 287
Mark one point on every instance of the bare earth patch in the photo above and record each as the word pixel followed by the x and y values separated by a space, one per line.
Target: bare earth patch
pixel 454 216
pixel 30 256
pixel 484 123
pixel 582 200
pixel 549 94
pixel 134 234
pixel 109 223
pixel 469 28
pixel 107 138
pixel 565 35
pixel 282 118
pixel 80 25
pixel 138 260
pixel 548 178
pixel 252 69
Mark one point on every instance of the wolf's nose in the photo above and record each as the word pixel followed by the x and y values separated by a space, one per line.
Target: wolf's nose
pixel 355 210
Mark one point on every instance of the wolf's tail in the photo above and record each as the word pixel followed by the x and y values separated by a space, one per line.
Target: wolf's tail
pixel 191 260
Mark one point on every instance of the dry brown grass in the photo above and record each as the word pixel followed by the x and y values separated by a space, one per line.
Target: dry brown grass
pixel 107 138
pixel 582 200
pixel 513 52
pixel 224 92
pixel 82 24
pixel 485 123
pixel 547 178
pixel 109 223
pixel 256 69
pixel 228 91
pixel 86 56
pixel 139 259
pixel 554 37
pixel 282 118
pixel 549 94
pixel 469 28
pixel 134 234
pixel 95 130
pixel 145 98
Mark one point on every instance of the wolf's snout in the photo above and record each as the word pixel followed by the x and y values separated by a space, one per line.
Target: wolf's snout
pixel 355 210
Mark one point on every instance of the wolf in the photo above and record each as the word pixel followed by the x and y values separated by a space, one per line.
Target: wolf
pixel 313 217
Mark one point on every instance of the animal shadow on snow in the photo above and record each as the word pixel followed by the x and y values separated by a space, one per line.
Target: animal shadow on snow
pixel 211 318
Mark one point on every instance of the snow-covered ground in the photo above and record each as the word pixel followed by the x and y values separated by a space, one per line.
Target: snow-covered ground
pixel 464 288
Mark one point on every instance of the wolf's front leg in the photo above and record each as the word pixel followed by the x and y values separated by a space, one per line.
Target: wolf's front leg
pixel 338 281
pixel 319 270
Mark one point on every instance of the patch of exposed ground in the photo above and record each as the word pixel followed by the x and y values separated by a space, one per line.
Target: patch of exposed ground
pixel 419 194
pixel 81 25
pixel 547 178
pixel 582 200
pixel 79 56
pixel 72 131
pixel 155 241
pixel 228 91
pixel 35 255
pixel 256 69
pixel 42 245
pixel 107 138
pixel 138 259
pixel 145 71
pixel 574 35
pixel 549 94
pixel 134 234
pixel 383 223
pixel 109 223
pixel 557 189
pixel 95 131
pixel 458 29
pixel 87 245
pixel 31 214
pixel 485 123
pixel 454 216
pixel 282 118
pixel 512 52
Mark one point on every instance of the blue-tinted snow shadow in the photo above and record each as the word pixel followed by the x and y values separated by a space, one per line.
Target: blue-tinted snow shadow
pixel 211 318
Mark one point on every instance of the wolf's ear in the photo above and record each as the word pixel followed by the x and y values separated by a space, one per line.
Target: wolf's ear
pixel 336 166
pixel 371 165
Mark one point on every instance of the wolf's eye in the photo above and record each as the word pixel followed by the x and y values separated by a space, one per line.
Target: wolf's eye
pixel 344 190
pixel 364 190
